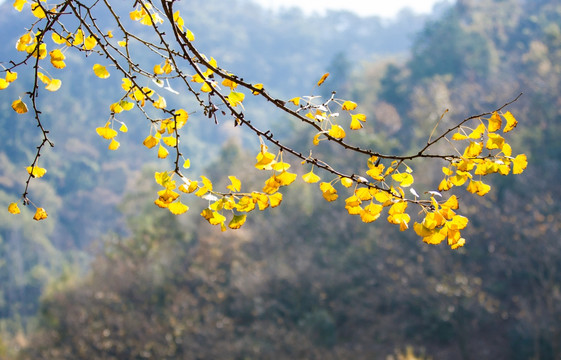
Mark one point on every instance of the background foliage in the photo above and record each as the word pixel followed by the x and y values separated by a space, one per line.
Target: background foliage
pixel 118 278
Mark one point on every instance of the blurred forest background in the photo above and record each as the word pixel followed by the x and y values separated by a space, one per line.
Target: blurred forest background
pixel 111 276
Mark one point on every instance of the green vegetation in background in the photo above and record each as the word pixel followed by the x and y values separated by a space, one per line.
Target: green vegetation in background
pixel 303 283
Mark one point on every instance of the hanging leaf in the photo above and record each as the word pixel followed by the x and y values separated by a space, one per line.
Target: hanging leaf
pixel 19 106
pixel 13 208
pixel 40 214
pixel 100 71
pixel 323 78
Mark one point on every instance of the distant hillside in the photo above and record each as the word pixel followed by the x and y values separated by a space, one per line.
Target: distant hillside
pixel 85 184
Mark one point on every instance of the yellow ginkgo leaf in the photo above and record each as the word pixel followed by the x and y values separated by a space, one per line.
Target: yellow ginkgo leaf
pixel 510 122
pixel 237 221
pixel 329 192
pixel 286 178
pixel 162 152
pixel 114 144
pixel 78 38
pixel 106 132
pixel 187 164
pixel 54 85
pixel 280 166
pixel 336 132
pixel 116 108
pixel 323 78
pixel 38 11
pixel 355 124
pixel 495 141
pixel 3 84
pixel 360 117
pixel 447 171
pixel 57 59
pixel 189 188
pixel 310 177
pixel 315 141
pixel 126 105
pixel 451 203
pixel 13 208
pixel 19 106
pixel 40 214
pixel 190 35
pixel 473 150
pixel 477 132
pixel 57 39
pixel 214 218
pixel 11 76
pixel 404 179
pixel 206 88
pixel 363 194
pixel 229 83
pixel 295 101
pixel 35 51
pixel 495 122
pixel 478 187
pixel 346 182
pixel 90 42
pixel 349 105
pixel 178 208
pixel 100 71
pixel 123 128
pixel 520 162
pixel 150 141
pixel 258 87
pixel 160 103
pixel 170 141
pixel 181 117
pixel 235 98
pixel 23 42
pixel 158 69
pixel 236 184
pixel 178 20
pixel 272 185
pixel 275 199
pixel 44 78
pixel 459 136
pixel 36 171
pixel 18 4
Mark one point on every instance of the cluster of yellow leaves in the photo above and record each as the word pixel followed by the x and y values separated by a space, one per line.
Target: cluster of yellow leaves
pixel 472 163
pixel 368 203
pixel 10 77
pixel 441 223
pixel 238 204
pixel 40 213
pixel 280 176
pixel 165 69
pixel 29 43
pixel 107 132
pixel 50 84
pixel 207 82
pixel 145 15
pixel 36 171
pixel 368 199
pixel 329 119
pixel 166 135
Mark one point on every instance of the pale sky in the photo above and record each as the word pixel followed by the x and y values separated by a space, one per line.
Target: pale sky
pixel 384 8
